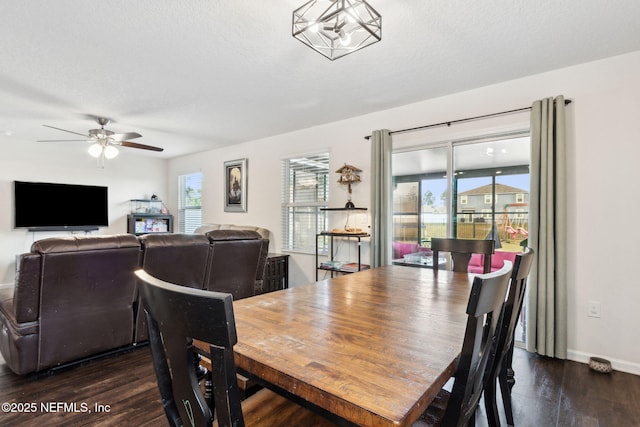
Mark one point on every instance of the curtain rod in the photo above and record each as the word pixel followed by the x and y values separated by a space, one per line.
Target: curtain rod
pixel 468 119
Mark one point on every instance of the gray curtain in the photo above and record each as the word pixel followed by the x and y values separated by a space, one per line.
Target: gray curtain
pixel 547 298
pixel 381 198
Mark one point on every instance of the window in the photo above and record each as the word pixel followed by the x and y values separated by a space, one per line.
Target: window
pixel 490 185
pixel 189 202
pixel 305 191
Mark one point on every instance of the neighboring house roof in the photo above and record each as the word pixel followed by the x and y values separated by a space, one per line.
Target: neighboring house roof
pixel 486 189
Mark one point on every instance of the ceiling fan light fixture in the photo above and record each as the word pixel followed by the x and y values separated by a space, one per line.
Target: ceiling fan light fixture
pixel 335 28
pixel 95 150
pixel 104 142
pixel 110 152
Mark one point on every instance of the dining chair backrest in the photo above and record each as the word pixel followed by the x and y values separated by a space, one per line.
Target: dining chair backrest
pixel 504 343
pixel 483 311
pixel 461 251
pixel 175 315
pixel 515 298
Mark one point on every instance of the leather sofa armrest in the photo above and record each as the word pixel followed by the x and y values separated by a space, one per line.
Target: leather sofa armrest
pixel 8 319
pixel 26 292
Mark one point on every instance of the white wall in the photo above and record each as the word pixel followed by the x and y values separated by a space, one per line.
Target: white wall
pixel 264 180
pixel 603 151
pixel 128 176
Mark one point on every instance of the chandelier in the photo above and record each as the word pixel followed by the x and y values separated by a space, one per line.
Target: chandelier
pixel 335 28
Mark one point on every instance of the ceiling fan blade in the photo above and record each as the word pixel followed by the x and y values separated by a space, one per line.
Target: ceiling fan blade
pixel 142 146
pixel 62 140
pixel 64 130
pixel 123 136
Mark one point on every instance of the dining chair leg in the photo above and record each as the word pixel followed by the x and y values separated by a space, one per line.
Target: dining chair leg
pixel 490 404
pixel 511 376
pixel 506 379
pixel 505 391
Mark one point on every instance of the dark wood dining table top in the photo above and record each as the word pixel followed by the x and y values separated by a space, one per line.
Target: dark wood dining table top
pixel 373 347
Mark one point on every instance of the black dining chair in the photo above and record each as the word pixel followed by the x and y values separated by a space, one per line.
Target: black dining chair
pixel 501 368
pixel 457 408
pixel 461 251
pixel 175 315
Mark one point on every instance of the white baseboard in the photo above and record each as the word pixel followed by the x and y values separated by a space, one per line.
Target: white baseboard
pixel 6 285
pixel 616 364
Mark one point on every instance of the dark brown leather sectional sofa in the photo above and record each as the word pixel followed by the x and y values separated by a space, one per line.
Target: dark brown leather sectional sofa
pixel 76 297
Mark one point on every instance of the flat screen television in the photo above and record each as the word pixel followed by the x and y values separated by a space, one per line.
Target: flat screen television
pixel 45 206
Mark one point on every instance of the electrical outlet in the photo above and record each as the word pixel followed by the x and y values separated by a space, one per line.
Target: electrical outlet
pixel 593 309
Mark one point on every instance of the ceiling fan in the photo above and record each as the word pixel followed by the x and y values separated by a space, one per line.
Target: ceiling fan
pixel 104 141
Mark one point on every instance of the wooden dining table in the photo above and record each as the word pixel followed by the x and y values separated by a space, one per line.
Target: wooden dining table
pixel 372 348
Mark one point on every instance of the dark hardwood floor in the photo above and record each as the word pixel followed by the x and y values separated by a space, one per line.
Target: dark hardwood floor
pixel 551 392
pixel 548 392
pixel 125 382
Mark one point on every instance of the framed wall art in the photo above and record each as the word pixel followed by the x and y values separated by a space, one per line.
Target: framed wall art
pixel 235 185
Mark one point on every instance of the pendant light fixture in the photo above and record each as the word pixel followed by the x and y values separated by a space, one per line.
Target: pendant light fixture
pixel 335 28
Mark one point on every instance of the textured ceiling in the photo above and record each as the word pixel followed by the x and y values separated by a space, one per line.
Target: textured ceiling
pixel 192 75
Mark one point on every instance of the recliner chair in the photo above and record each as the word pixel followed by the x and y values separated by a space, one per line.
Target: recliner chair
pixel 73 299
pixel 236 257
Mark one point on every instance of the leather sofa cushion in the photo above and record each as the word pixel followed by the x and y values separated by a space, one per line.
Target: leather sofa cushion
pixel 227 235
pixel 85 243
pixel 235 258
pixel 162 253
pixel 204 228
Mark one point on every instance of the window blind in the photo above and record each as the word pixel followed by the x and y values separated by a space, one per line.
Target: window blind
pixel 305 190
pixel 189 202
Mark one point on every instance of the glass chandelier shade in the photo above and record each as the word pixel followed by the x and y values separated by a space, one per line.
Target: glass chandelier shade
pixel 335 28
pixel 107 150
pixel 95 150
pixel 110 152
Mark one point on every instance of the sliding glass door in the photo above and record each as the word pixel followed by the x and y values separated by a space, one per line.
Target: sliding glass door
pixel 476 189
pixel 491 188
pixel 420 197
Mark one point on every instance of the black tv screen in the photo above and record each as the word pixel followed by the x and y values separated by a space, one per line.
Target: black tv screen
pixel 48 206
